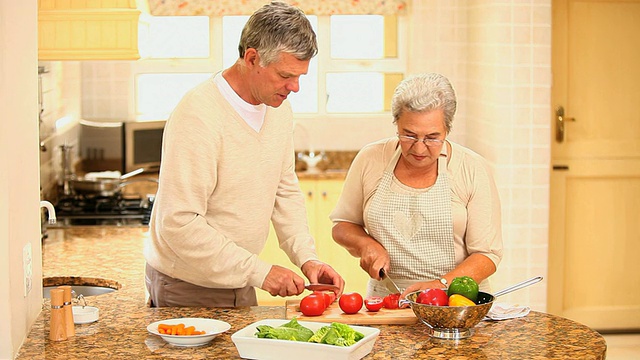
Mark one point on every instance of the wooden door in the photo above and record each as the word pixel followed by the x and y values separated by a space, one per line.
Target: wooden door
pixel 594 242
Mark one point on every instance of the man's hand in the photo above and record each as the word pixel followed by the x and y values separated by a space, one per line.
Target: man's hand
pixel 283 282
pixel 319 272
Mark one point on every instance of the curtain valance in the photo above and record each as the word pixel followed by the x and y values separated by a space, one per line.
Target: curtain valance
pixel 247 7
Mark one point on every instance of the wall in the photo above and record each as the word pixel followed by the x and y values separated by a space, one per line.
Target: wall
pixel 510 65
pixel 19 195
pixel 497 56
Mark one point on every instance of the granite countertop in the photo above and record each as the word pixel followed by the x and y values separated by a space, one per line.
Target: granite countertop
pixel 115 255
pixel 322 175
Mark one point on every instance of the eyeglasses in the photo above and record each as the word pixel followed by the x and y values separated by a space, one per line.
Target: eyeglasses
pixel 406 139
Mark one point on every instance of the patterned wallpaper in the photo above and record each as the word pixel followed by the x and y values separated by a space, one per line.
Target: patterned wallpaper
pixel 247 7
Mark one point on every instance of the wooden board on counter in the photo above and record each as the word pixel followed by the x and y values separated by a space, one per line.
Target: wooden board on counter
pixel 363 317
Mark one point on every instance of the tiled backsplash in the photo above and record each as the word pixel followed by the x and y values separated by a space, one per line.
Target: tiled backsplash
pixel 498 56
pixel 58 121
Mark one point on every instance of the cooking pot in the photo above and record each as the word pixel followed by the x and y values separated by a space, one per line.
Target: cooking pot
pixel 105 186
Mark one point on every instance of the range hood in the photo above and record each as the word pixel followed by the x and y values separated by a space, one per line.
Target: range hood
pixel 89 29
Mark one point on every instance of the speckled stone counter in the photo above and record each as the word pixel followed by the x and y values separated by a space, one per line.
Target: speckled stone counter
pixel 115 255
pixel 322 175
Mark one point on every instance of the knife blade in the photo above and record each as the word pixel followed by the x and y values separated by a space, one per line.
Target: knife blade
pixel 389 283
pixel 322 287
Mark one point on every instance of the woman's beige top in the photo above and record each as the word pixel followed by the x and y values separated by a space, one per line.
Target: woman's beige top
pixel 475 203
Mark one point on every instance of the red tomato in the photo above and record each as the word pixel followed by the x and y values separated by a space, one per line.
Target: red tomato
pixel 325 296
pixel 332 296
pixel 373 303
pixel 391 301
pixel 350 303
pixel 312 305
pixel 436 297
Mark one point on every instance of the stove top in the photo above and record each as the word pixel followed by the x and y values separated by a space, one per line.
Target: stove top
pixel 116 210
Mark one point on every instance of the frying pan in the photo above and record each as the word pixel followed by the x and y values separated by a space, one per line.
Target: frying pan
pixel 105 186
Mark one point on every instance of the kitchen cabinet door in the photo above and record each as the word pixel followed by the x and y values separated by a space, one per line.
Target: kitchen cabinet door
pixel 321 196
pixel 88 31
pixel 326 197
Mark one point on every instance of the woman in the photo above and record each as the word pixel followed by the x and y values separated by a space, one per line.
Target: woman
pixel 424 209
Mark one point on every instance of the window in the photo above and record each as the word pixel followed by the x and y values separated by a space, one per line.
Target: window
pixel 360 37
pixel 177 37
pixel 358 65
pixel 158 94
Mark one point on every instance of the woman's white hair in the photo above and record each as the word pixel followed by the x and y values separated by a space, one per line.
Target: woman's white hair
pixel 424 93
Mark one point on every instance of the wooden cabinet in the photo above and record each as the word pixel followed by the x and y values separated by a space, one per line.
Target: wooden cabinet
pixel 88 30
pixel 321 196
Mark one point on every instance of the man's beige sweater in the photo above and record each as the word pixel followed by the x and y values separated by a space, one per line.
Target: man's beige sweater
pixel 220 184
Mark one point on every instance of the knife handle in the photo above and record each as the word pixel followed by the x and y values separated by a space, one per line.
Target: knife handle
pixel 381 273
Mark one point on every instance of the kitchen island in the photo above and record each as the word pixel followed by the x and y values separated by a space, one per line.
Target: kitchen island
pixel 114 254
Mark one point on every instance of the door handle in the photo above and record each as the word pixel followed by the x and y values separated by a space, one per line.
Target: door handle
pixel 560 120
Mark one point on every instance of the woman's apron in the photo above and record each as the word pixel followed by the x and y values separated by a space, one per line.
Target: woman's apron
pixel 416 228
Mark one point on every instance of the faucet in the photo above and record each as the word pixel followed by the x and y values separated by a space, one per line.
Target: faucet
pixel 50 210
pixel 311 158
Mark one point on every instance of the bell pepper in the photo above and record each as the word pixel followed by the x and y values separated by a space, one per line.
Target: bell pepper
pixel 465 286
pixel 459 300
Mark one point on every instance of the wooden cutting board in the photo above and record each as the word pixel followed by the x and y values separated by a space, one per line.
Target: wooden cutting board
pixel 363 317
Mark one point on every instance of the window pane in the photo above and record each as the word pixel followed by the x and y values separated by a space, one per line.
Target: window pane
pixel 357 36
pixel 158 94
pixel 355 92
pixel 231 30
pixel 178 37
pixel 305 100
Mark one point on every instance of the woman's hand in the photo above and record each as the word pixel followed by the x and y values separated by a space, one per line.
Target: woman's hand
pixel 373 258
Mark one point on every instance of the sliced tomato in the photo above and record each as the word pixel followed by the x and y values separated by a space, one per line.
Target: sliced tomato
pixel 391 301
pixel 373 303
pixel 332 296
pixel 327 298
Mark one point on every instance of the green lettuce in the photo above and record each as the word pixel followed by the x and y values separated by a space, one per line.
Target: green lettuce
pixel 289 331
pixel 337 334
pixel 320 334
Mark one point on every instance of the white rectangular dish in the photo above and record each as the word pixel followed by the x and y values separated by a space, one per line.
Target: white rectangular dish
pixel 251 347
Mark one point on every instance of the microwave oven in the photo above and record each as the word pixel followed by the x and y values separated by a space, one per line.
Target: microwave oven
pixel 142 146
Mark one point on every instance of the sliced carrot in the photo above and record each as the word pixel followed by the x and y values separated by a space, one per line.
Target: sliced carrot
pixel 178 329
pixel 189 330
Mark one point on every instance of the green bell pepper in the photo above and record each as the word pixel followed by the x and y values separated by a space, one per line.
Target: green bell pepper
pixel 465 286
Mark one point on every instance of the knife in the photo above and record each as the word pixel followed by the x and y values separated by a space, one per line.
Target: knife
pixel 322 287
pixel 389 283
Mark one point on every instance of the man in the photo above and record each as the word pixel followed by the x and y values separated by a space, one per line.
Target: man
pixel 228 169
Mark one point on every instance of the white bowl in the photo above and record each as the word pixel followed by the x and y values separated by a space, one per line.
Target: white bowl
pixel 251 347
pixel 85 314
pixel 211 327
